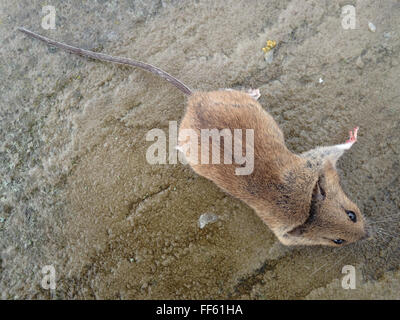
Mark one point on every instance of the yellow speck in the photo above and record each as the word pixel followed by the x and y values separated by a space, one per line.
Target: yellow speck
pixel 270 45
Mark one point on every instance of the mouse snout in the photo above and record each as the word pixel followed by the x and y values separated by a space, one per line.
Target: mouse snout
pixel 369 234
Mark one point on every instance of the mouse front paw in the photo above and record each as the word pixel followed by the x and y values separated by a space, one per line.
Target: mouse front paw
pixel 353 135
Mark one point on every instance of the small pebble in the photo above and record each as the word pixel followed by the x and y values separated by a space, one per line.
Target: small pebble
pixel 360 63
pixel 144 286
pixel 387 35
pixel 207 218
pixel 371 27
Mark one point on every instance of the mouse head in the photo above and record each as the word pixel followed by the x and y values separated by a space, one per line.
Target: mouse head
pixel 333 219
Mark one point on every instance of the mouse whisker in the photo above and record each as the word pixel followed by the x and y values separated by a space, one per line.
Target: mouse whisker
pixel 318 269
pixel 329 254
pixel 391 215
pixel 325 256
pixel 388 233
pixel 386 220
pixel 340 260
pixel 380 236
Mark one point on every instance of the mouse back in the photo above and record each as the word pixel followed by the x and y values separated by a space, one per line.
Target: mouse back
pixel 277 175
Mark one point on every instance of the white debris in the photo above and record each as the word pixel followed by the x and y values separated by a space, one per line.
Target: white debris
pixel 387 35
pixel 359 63
pixel 269 56
pixel 371 27
pixel 207 218
pixel 320 80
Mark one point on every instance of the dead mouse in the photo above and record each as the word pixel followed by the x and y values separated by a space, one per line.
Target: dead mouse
pixel 298 196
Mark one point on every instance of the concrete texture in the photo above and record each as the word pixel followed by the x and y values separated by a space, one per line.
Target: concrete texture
pixel 76 191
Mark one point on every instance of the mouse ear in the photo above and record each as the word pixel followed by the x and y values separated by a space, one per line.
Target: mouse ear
pixel 297 231
pixel 319 191
pixel 318 195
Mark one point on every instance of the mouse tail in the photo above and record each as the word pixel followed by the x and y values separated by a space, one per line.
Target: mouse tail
pixel 104 57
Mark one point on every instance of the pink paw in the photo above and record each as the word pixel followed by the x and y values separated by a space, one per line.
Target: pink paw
pixel 353 135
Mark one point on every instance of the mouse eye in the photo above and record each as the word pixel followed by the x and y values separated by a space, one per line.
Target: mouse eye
pixel 351 215
pixel 338 241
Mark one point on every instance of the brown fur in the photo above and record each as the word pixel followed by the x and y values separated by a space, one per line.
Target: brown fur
pixel 283 188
